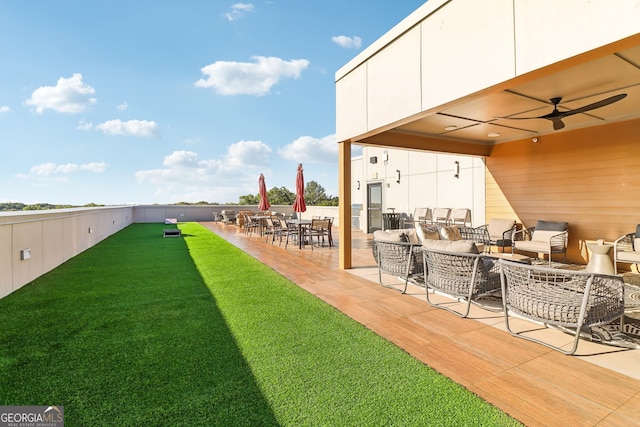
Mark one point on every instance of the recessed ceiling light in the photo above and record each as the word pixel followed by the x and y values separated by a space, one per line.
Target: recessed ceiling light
pixel 493 135
pixel 450 128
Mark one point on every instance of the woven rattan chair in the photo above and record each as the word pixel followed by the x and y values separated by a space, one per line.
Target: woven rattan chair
pixel 399 259
pixel 500 232
pixel 464 276
pixel 478 235
pixel 626 249
pixel 547 237
pixel 571 300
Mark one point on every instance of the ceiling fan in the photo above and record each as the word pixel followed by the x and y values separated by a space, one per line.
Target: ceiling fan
pixel 556 116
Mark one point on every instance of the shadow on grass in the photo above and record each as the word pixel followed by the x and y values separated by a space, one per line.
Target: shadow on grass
pixel 127 333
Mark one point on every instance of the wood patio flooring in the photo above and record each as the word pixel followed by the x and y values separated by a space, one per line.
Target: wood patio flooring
pixel 534 384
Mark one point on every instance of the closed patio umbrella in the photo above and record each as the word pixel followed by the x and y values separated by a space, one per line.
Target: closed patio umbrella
pixel 264 200
pixel 299 205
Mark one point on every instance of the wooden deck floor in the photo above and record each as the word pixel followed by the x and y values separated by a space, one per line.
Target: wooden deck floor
pixel 534 384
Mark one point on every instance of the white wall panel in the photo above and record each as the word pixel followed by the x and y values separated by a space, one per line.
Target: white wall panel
pixel 6 267
pixel 27 235
pixel 393 81
pixel 52 243
pixel 467 46
pixel 351 104
pixel 548 31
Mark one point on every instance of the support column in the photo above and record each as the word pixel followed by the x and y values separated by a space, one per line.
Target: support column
pixel 344 209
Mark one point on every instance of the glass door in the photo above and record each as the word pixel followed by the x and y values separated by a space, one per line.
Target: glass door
pixel 374 207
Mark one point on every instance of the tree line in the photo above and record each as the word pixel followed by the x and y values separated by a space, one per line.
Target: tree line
pixel 314 195
pixel 15 206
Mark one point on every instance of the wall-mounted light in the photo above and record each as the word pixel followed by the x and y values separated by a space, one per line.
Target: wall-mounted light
pixel 373 160
pixel 398 176
pixel 358 184
pixel 90 230
pixel 456 169
pixel 25 254
pixel 385 156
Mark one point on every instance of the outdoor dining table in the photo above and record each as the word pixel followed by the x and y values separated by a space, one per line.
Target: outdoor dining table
pixel 302 225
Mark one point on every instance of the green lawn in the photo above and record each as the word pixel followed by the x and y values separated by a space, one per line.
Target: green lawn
pixel 145 331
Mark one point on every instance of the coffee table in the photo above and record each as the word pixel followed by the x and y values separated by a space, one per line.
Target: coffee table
pixel 510 257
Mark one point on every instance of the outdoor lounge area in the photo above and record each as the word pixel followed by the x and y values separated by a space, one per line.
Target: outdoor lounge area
pixel 599 385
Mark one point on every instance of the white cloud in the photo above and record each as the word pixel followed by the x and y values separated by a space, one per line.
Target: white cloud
pixel 96 167
pixel 347 42
pixel 142 128
pixel 58 172
pixel 185 176
pixel 70 95
pixel 238 10
pixel 4 109
pixel 123 106
pixel 247 153
pixel 257 78
pixel 84 125
pixel 307 149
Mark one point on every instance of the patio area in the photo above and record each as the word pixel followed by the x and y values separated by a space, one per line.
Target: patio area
pixel 536 385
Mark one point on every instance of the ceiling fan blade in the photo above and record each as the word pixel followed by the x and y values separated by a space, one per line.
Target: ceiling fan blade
pixel 556 116
pixel 557 123
pixel 595 105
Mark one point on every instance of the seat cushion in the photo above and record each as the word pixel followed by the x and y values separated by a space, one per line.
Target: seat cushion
pixel 532 246
pixel 460 246
pixel 498 226
pixel 629 256
pixel 412 235
pixel 393 236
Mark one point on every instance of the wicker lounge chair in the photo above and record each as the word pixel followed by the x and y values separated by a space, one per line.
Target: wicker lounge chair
pixel 460 271
pixel 547 237
pixel 398 253
pixel 500 232
pixel 565 298
pixel 626 249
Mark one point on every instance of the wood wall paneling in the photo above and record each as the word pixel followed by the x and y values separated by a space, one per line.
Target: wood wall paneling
pixel 587 177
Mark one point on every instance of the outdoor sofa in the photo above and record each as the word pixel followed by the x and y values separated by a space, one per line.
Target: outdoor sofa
pixel 399 252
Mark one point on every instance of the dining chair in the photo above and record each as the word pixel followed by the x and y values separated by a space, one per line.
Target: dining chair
pixel 319 229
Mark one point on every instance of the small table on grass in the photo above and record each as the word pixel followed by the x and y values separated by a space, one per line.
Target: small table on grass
pixel 171 232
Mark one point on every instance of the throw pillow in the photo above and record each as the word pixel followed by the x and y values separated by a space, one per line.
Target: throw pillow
pixel 450 232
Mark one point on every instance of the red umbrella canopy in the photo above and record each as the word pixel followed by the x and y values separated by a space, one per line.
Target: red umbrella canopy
pixel 299 205
pixel 264 200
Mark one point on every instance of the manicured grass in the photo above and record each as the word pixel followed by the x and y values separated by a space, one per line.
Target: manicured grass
pixel 141 330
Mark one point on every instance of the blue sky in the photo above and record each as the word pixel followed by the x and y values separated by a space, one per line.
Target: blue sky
pixel 141 101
